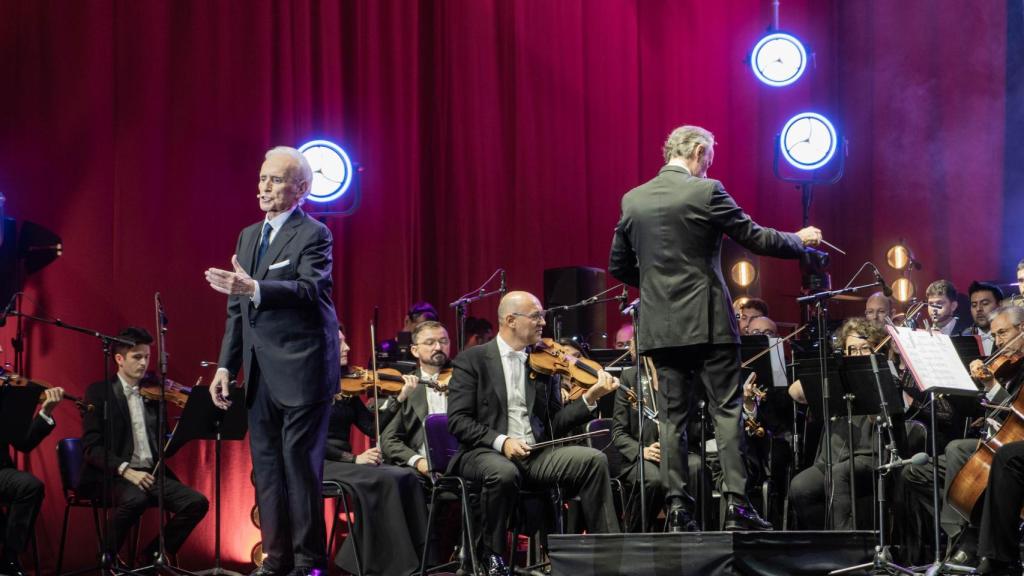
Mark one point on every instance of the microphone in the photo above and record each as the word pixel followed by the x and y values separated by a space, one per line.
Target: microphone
pixel 916 459
pixel 881 282
pixel 502 289
pixel 634 305
pixel 7 309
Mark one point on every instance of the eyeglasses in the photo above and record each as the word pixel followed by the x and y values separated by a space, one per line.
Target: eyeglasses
pixel 862 350
pixel 768 332
pixel 1006 332
pixel 535 316
pixel 434 341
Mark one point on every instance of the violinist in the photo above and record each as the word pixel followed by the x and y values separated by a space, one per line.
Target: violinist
pixel 133 445
pixel 391 508
pixel 400 347
pixel 499 405
pixel 877 308
pixel 22 491
pixel 942 304
pixel 402 440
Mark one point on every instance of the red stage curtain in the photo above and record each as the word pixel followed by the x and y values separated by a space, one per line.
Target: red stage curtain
pixel 493 133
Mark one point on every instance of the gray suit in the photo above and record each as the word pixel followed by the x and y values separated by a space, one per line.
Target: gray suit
pixel 403 436
pixel 668 243
pixel 289 350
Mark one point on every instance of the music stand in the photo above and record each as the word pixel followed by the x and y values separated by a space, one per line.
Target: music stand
pixel 201 420
pixel 853 392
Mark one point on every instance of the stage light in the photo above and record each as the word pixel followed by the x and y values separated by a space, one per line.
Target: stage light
pixel 332 170
pixel 738 303
pixel 903 290
pixel 778 59
pixel 899 257
pixel 743 273
pixel 808 141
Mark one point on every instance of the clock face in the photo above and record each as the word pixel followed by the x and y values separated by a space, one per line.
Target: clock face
pixel 808 141
pixel 778 59
pixel 332 170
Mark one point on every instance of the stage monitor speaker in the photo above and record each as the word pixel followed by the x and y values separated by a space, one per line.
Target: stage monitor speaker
pixel 566 286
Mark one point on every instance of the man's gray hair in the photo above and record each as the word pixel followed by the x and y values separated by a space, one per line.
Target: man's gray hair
pixel 684 140
pixel 305 171
pixel 1016 314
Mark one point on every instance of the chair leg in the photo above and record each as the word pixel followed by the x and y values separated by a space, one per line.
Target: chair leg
pixel 332 537
pixel 63 538
pixel 467 519
pixel 351 532
pixel 430 523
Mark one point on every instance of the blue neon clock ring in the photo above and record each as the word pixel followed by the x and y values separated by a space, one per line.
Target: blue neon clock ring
pixel 808 141
pixel 778 59
pixel 332 170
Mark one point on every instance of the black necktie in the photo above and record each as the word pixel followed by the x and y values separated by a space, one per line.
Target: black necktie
pixel 264 243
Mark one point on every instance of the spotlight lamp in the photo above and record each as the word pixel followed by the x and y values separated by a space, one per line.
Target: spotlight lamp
pixel 903 290
pixel 808 141
pixel 778 59
pixel 258 555
pixel 899 257
pixel 743 273
pixel 332 170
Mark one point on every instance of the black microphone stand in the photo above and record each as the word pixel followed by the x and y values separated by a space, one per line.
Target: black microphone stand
pixel 557 311
pixel 470 297
pixel 819 301
pixel 160 564
pixel 107 558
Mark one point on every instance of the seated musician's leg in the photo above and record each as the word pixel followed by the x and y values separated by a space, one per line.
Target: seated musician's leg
pixel 807 497
pixel 582 471
pixel 500 481
pixel 961 535
pixel 189 508
pixel 23 494
pixel 1000 520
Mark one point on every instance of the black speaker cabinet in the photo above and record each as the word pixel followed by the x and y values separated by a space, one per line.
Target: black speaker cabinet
pixel 566 286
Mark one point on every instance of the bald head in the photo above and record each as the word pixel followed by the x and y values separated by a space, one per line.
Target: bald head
pixel 877 308
pixel 520 319
pixel 762 326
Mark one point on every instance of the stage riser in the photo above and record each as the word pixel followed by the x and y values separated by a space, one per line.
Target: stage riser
pixel 709 553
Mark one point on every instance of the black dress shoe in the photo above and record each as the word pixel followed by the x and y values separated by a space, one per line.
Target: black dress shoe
pixel 963 557
pixel 11 568
pixel 993 567
pixel 496 566
pixel 680 520
pixel 742 516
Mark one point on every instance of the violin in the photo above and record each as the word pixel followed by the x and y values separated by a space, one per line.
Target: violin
pixel 550 358
pixel 175 393
pixel 12 379
pixel 441 385
pixel 358 380
pixel 1001 366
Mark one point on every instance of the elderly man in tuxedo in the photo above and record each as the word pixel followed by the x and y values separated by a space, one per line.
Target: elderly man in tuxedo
pixel 282 330
pixel 668 243
pixel 499 407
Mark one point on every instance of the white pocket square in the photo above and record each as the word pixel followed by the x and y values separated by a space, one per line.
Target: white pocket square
pixel 279 265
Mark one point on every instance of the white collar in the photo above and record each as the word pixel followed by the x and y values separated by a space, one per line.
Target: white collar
pixel 277 221
pixel 504 347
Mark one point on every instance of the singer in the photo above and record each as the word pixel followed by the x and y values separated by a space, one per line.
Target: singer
pixel 282 329
pixel 668 243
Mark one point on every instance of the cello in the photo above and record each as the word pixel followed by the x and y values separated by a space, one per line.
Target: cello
pixel 971 481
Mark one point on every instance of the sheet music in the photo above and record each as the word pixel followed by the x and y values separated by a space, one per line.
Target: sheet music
pixel 778 356
pixel 933 361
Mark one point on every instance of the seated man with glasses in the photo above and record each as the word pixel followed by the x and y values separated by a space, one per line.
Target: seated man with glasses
pixel 499 407
pixel 762 326
pixel 748 310
pixel 858 337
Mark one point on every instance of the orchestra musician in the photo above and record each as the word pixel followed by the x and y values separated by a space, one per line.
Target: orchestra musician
pixel 22 491
pixel 985 298
pixel 390 502
pixel 877 308
pixel 498 406
pixel 130 453
pixel 807 491
pixel 999 528
pixel 399 347
pixel 942 304
pixel 1005 324
pixel 668 243
pixel 478 331
pixel 749 309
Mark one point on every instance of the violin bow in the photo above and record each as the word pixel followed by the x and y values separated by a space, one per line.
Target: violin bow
pixel 373 366
pixel 769 349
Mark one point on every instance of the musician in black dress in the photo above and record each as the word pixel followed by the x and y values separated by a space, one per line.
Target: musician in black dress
pixel 389 500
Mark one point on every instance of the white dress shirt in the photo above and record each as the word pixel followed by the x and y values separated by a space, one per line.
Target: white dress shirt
pixel 142 456
pixel 275 226
pixel 437 403
pixel 513 365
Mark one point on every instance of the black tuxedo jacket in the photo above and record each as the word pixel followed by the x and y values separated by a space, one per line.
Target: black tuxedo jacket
pixel 38 430
pixel 293 335
pixel 668 243
pixel 478 401
pixel 403 437
pixel 121 442
pixel 625 422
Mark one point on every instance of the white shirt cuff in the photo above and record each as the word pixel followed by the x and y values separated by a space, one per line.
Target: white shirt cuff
pixel 256 296
pixel 589 406
pixel 412 461
pixel 122 468
pixel 499 442
pixel 46 418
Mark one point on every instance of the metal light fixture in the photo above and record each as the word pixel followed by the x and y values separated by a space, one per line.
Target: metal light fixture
pixel 743 273
pixel 808 141
pixel 778 59
pixel 903 290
